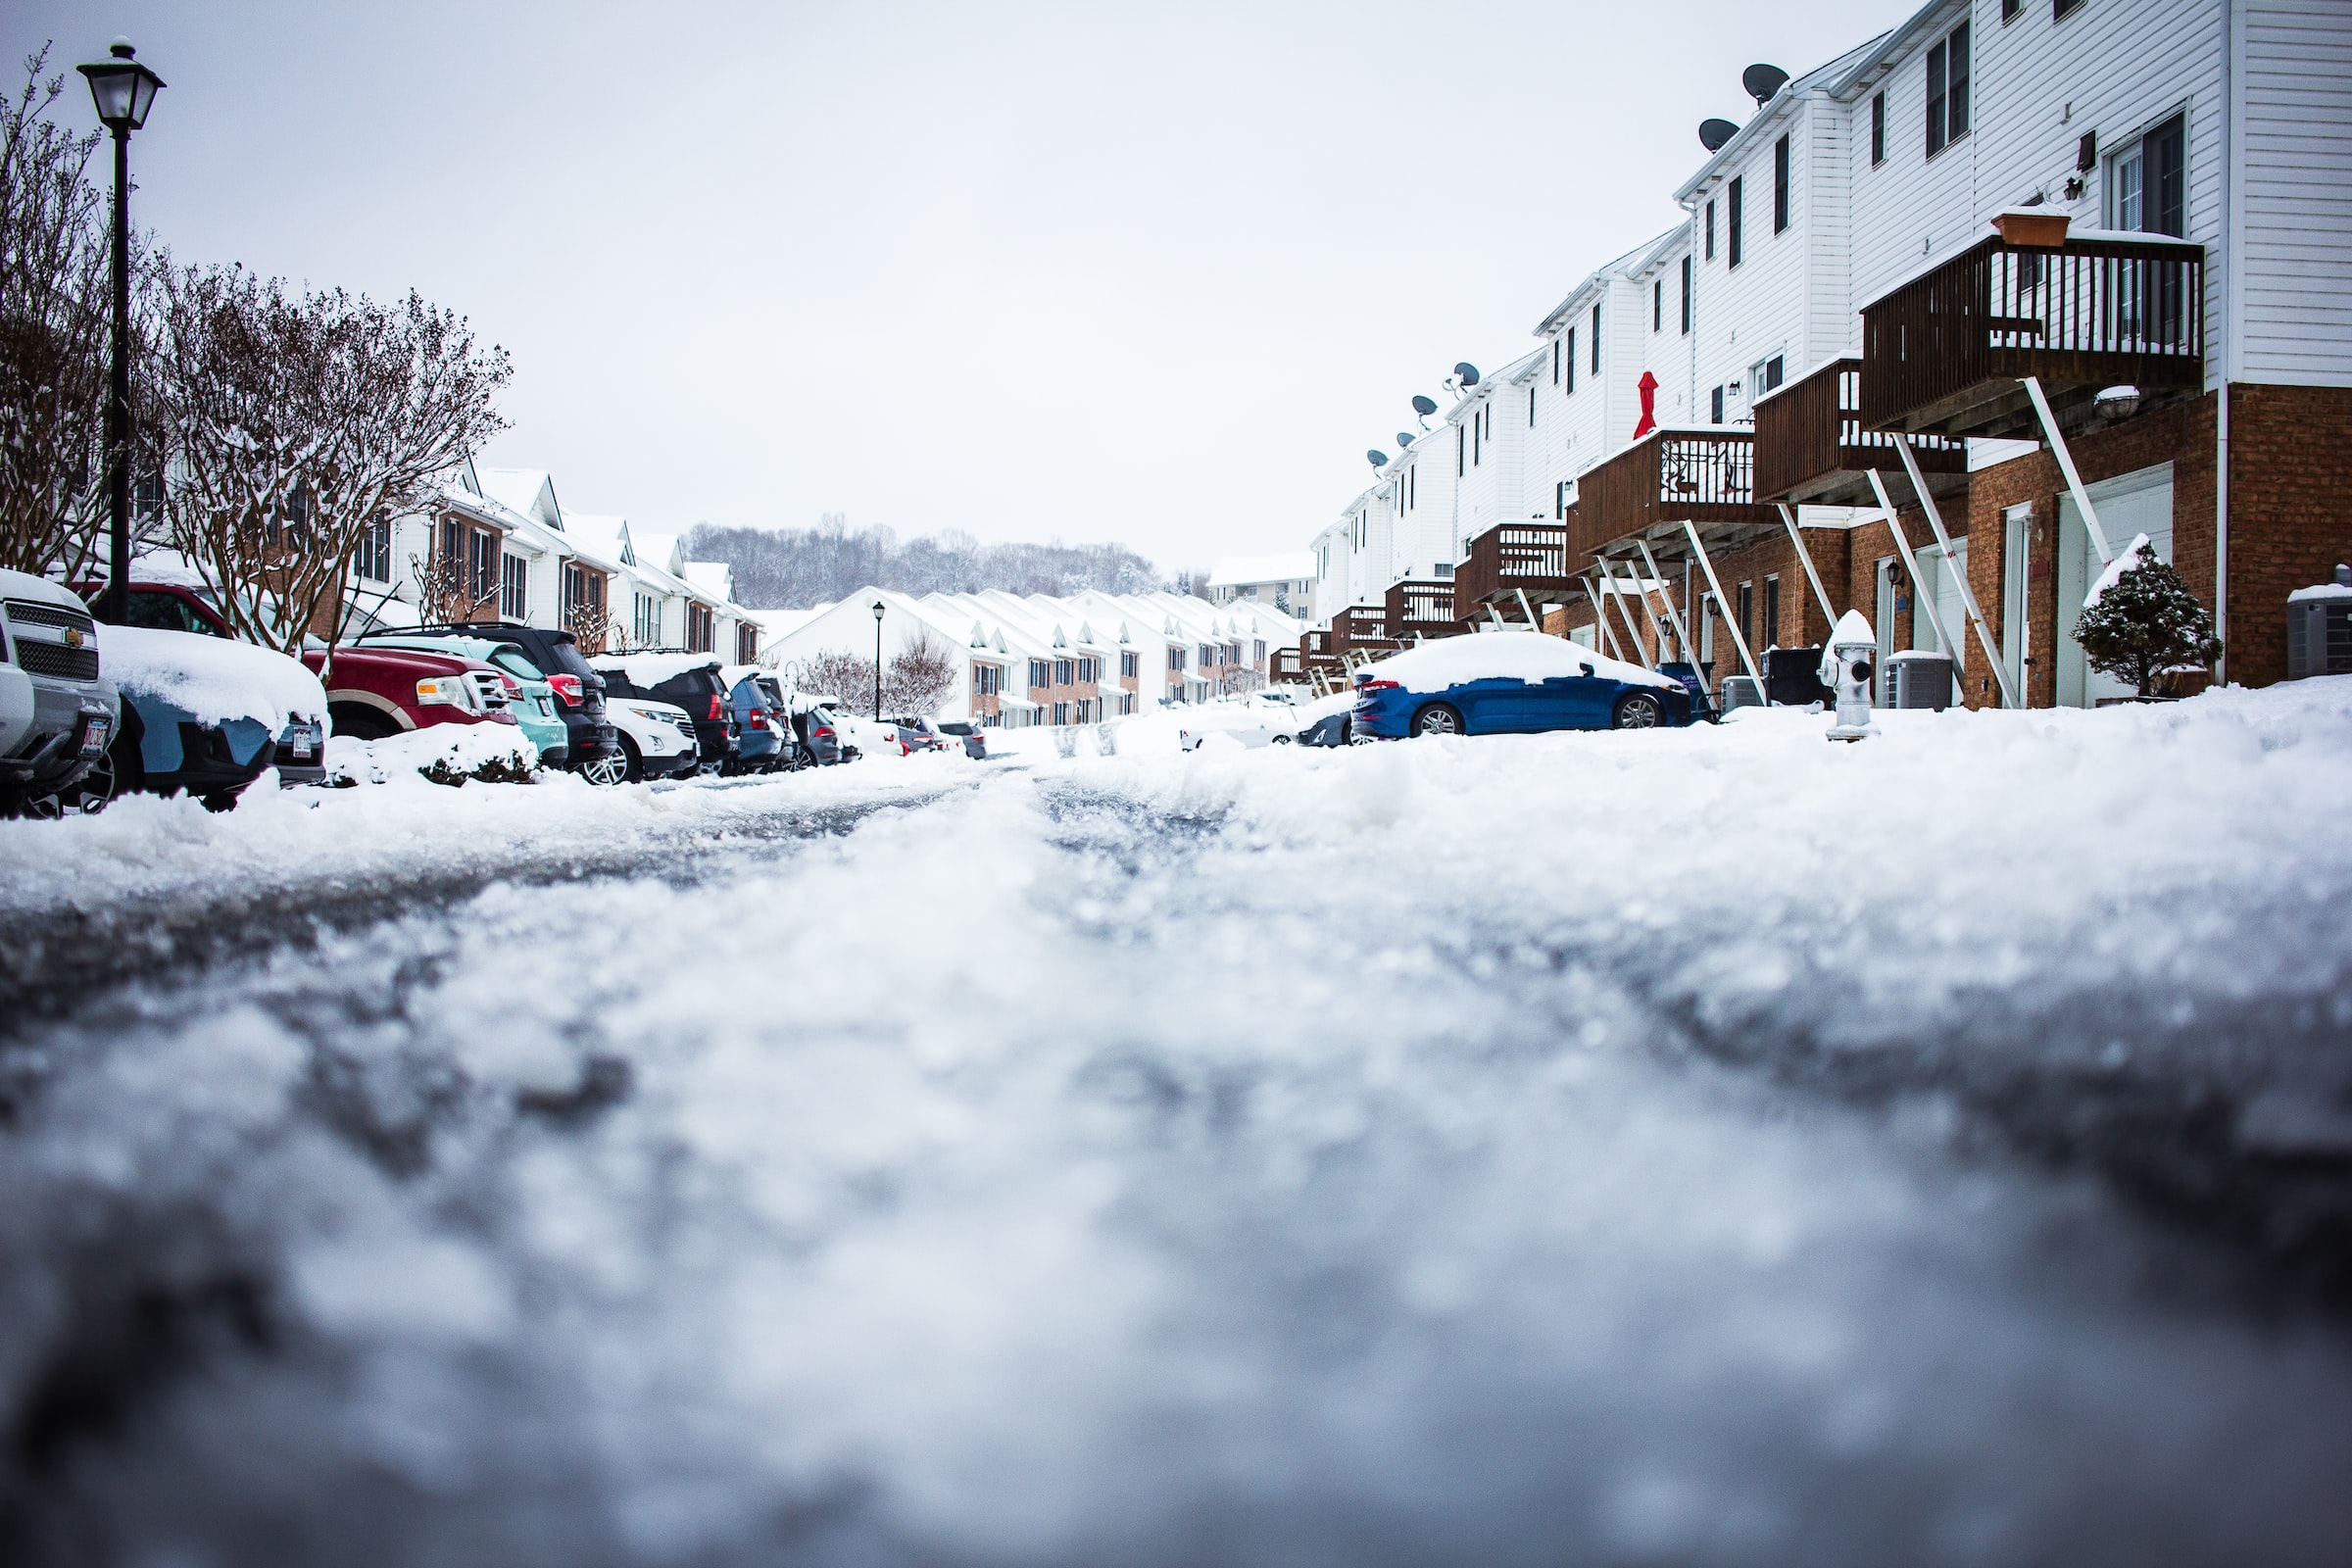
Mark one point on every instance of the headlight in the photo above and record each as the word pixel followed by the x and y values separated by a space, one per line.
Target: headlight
pixel 454 691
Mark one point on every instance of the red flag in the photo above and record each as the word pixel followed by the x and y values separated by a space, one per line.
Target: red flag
pixel 1648 388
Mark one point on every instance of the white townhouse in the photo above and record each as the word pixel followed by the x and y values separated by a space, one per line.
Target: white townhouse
pixel 1285 581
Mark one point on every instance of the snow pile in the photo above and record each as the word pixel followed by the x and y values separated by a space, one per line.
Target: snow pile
pixel 211 677
pixel 438 754
pixel 1511 655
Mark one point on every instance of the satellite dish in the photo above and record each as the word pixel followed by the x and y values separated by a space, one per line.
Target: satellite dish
pixel 1424 406
pixel 1466 373
pixel 1376 457
pixel 1762 81
pixel 1713 133
pixel 1404 438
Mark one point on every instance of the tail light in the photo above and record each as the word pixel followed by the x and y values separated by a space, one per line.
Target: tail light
pixel 567 687
pixel 822 732
pixel 514 687
pixel 715 699
pixel 1379 685
pixel 758 716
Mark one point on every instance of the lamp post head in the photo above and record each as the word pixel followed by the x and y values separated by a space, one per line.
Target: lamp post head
pixel 122 88
pixel 878 609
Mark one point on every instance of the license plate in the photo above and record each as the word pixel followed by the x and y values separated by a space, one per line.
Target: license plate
pixel 301 747
pixel 93 737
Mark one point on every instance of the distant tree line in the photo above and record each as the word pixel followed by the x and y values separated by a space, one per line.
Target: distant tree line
pixel 793 569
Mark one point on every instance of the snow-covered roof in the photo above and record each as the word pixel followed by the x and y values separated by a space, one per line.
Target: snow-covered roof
pixel 528 491
pixel 652 669
pixel 211 678
pixel 1292 566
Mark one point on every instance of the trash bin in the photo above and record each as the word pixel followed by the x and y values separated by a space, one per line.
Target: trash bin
pixel 2318 628
pixel 1918 679
pixel 1792 678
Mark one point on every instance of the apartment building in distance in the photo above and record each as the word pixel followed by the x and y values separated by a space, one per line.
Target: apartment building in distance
pixel 1950 321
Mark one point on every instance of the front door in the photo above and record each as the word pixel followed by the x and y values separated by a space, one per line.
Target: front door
pixel 2128 506
pixel 1491 707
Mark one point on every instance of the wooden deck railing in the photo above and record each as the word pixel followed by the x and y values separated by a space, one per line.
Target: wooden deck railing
pixel 1670 476
pixel 1426 607
pixel 2092 314
pixel 1511 558
pixel 1811 441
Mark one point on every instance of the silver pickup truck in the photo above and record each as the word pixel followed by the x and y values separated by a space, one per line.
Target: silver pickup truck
pixel 57 709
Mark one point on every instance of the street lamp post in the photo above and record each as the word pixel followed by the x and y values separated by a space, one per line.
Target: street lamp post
pixel 123 91
pixel 877 661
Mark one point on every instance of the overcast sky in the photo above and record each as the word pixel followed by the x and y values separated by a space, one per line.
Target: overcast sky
pixel 1110 272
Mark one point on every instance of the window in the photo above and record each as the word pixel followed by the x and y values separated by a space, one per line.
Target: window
pixel 1747 612
pixel 2060 10
pixel 1064 672
pixel 1771 611
pixel 1730 220
pixel 1780 186
pixel 645 619
pixel 2146 185
pixel 1555 362
pixel 1685 296
pixel 1257 651
pixel 1657 306
pixel 481 574
pixel 1710 230
pixel 1765 375
pixel 2009 10
pixel 373 560
pixel 1947 90
pixel 1129 666
pixel 1175 658
pixel 1061 713
pixel 1208 656
pixel 984 680
pixel 1531 408
pixel 1571 359
pixel 702 629
pixel 1559 501
pixel 1715 397
pixel 514 588
pixel 1878 128
pixel 1596 338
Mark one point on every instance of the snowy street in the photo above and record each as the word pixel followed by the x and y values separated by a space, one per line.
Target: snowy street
pixel 1686 1146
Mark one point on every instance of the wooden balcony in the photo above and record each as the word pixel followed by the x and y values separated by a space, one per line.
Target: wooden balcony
pixel 1510 558
pixel 1423 608
pixel 1944 352
pixel 1811 444
pixel 1288 668
pixel 1360 628
pixel 1666 479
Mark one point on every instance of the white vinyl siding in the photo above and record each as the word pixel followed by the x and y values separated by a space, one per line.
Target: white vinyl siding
pixel 2294 86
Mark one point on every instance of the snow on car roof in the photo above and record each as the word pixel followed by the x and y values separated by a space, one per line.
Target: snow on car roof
pixel 1509 654
pixel 652 669
pixel 211 677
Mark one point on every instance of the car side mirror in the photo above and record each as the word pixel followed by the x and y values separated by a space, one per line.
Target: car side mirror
pixel 1587 669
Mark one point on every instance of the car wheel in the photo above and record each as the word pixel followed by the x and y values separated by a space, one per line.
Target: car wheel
pixel 632 761
pixel 1639 712
pixel 1438 719
pixel 358 722
pixel 1282 740
pixel 605 770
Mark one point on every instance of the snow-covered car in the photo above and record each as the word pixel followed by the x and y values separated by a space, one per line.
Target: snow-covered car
pixel 1507 682
pixel 919 734
pixel 687 682
pixel 1258 719
pixel 1325 720
pixel 58 710
pixel 863 736
pixel 656 739
pixel 763 740
pixel 205 715
pixel 817 723
pixel 590 751
pixel 973 737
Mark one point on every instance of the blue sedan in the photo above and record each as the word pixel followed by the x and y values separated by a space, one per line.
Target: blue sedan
pixel 1514 682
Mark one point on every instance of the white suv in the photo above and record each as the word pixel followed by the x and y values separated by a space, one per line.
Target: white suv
pixel 56 709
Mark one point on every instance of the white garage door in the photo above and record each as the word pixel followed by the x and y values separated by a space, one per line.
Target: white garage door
pixel 2128 505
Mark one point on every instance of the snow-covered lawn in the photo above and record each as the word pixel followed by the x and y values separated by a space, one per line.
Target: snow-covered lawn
pixel 1271 1156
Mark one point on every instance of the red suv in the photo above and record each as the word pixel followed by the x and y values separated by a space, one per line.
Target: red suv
pixel 375 692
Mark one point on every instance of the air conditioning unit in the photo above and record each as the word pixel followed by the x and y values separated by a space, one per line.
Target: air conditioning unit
pixel 1918 679
pixel 2318 628
pixel 1742 691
